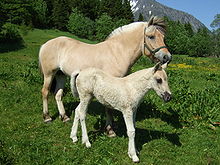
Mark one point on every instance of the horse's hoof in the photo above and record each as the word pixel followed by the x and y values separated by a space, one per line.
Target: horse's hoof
pixel 66 119
pixel 47 119
pixel 110 132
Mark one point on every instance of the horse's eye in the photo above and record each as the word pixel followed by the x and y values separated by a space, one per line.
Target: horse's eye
pixel 151 37
pixel 159 80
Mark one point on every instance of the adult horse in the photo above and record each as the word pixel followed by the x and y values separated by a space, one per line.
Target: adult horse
pixel 115 56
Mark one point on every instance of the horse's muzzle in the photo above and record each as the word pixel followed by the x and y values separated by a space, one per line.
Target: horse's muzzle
pixel 166 96
pixel 167 59
pixel 163 57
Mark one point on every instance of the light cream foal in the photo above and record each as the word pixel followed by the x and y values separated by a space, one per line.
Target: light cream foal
pixel 123 94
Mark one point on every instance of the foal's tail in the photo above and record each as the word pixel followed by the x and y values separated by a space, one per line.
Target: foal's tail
pixel 73 83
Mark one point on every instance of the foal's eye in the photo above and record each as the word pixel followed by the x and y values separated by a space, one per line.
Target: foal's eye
pixel 159 80
pixel 151 37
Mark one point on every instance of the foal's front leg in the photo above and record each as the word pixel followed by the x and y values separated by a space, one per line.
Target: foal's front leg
pixel 129 121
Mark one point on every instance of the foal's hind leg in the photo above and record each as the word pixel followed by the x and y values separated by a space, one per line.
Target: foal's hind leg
pixel 60 83
pixel 45 92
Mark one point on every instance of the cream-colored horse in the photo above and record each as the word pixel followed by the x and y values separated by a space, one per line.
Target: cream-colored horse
pixel 115 56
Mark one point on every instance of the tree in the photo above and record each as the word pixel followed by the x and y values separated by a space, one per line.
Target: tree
pixel 177 38
pixel 80 26
pixel 189 30
pixel 16 11
pixel 127 12
pixel 104 25
pixel 40 18
pixel 117 9
pixel 141 17
pixel 200 44
pixel 89 8
pixel 216 22
pixel 60 14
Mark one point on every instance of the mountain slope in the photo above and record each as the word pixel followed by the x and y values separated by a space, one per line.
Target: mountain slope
pixel 151 7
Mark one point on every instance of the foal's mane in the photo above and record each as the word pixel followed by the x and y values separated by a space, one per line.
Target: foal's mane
pixel 158 22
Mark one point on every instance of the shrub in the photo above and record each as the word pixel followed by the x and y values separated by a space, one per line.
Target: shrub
pixel 81 26
pixel 104 26
pixel 10 34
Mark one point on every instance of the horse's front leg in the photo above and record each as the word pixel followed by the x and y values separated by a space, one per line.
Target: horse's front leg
pixel 109 123
pixel 129 121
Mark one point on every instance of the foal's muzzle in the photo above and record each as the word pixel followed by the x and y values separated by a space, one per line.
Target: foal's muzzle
pixel 166 96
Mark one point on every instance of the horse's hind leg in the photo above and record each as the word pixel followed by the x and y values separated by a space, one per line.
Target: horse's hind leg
pixel 45 92
pixel 60 83
pixel 109 123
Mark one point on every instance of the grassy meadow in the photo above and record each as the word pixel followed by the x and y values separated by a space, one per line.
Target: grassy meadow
pixel 184 131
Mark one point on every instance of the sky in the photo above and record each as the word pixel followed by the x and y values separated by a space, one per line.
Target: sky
pixel 203 10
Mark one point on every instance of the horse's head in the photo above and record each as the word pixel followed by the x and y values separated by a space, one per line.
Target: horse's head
pixel 159 82
pixel 154 46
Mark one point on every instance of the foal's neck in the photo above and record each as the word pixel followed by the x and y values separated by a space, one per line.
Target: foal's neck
pixel 141 81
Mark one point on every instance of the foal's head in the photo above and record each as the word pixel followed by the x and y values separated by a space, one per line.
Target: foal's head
pixel 159 82
pixel 154 46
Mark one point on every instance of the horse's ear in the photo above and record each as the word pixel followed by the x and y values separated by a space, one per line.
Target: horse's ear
pixel 150 22
pixel 157 67
pixel 164 66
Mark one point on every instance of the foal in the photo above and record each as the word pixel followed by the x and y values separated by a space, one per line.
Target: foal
pixel 123 94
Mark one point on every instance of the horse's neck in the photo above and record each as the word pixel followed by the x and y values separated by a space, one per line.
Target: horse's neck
pixel 127 47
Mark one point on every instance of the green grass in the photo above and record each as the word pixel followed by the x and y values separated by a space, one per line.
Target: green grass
pixel 183 131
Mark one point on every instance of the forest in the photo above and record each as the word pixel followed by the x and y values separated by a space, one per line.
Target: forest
pixel 94 20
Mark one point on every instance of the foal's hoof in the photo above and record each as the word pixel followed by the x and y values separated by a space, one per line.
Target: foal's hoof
pixel 110 132
pixel 74 139
pixel 134 158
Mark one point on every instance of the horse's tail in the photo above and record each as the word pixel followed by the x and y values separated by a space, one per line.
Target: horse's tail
pixel 73 83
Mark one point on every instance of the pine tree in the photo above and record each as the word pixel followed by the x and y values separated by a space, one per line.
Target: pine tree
pixel 60 14
pixel 16 11
pixel 141 17
pixel 89 8
pixel 127 12
pixel 188 28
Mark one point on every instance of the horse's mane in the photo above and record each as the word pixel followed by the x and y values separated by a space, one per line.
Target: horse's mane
pixel 125 28
pixel 158 22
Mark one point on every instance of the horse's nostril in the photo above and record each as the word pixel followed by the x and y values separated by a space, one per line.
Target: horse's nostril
pixel 166 59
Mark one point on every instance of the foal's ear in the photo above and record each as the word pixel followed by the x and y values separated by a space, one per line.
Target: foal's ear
pixel 164 66
pixel 157 67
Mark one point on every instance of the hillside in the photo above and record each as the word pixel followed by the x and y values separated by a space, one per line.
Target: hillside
pixel 151 7
pixel 179 132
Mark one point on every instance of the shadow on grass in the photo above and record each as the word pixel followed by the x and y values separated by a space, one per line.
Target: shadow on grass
pixel 7 47
pixel 145 111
